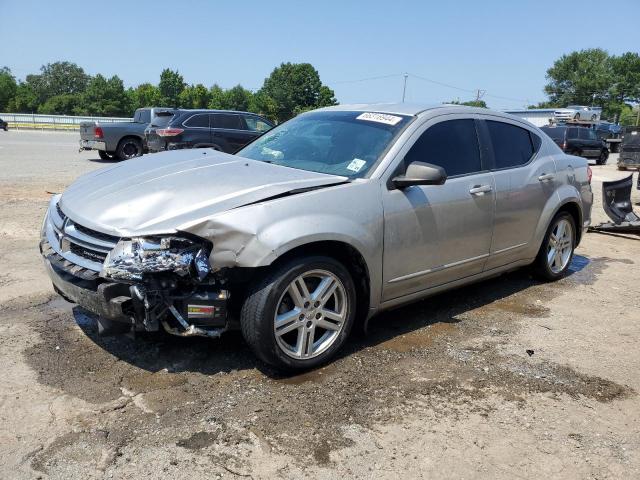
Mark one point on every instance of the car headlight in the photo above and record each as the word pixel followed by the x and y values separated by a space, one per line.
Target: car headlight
pixel 132 258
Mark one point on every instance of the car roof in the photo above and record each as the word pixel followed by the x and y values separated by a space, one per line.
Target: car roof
pixel 415 109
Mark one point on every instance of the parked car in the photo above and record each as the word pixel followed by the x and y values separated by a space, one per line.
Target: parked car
pixel 578 113
pixel 630 149
pixel 580 141
pixel 223 130
pixel 4 125
pixel 323 221
pixel 120 140
pixel 607 130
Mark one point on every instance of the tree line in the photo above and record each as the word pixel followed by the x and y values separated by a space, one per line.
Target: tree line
pixel 64 88
pixel 595 77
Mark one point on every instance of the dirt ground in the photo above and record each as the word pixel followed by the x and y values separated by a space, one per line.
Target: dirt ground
pixel 509 378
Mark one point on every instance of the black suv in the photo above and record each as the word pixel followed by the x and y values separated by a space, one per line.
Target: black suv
pixel 227 131
pixel 580 141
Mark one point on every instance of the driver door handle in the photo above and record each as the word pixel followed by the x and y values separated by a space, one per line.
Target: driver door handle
pixel 546 176
pixel 480 189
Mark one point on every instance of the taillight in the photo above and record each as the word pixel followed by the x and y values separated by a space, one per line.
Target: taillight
pixel 169 132
pixel 589 173
pixel 564 146
pixel 97 132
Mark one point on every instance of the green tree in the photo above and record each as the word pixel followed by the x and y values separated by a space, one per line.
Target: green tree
pixel 171 86
pixel 217 97
pixel 626 73
pixel 237 98
pixel 144 95
pixel 58 78
pixel 104 97
pixel 470 103
pixel 25 100
pixel 64 104
pixel 195 96
pixel 296 87
pixel 8 87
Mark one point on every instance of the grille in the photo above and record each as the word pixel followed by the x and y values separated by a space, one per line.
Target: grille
pixel 92 233
pixel 87 253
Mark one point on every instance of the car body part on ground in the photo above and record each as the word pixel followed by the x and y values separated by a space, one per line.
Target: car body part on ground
pixel 320 223
pixel 120 140
pixel 4 125
pixel 616 201
pixel 223 130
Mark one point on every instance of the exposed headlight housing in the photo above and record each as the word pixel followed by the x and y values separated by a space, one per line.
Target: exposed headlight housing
pixel 132 258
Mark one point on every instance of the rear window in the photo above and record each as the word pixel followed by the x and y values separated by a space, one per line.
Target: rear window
pixel 554 133
pixel 142 116
pixel 573 133
pixel 162 119
pixel 512 145
pixel 200 120
pixel 230 121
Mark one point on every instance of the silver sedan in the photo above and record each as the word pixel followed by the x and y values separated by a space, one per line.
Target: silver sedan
pixel 320 223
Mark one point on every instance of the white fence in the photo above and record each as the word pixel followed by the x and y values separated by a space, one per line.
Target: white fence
pixel 33 121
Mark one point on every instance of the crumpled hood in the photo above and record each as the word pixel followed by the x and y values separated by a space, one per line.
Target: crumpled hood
pixel 165 192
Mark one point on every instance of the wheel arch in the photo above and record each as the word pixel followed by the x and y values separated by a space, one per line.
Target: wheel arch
pixel 348 255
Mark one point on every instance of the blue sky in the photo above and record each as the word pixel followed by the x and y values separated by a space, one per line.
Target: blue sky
pixel 503 47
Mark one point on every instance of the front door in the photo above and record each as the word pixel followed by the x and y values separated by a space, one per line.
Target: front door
pixel 438 233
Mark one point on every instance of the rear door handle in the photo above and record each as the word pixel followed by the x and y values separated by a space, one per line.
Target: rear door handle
pixel 480 189
pixel 546 176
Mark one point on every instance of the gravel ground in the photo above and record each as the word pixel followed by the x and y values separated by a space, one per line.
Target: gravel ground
pixel 505 379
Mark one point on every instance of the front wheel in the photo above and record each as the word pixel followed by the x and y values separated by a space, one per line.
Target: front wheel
pixel 557 248
pixel 577 116
pixel 129 148
pixel 300 314
pixel 602 159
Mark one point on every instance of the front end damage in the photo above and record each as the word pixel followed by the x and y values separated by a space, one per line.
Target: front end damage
pixel 139 283
pixel 616 201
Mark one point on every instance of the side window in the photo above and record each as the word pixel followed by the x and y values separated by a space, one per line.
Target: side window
pixel 256 125
pixel 592 135
pixel 200 121
pixel 512 145
pixel 452 145
pixel 226 120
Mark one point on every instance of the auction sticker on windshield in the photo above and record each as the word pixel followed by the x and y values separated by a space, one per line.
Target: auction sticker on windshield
pixel 356 165
pixel 380 118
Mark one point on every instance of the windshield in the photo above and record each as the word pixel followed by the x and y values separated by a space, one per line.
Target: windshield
pixel 631 138
pixel 338 143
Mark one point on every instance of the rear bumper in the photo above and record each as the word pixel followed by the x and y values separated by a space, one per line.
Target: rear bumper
pixel 93 145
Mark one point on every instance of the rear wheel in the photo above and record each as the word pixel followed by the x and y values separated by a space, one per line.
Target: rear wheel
pixel 300 314
pixel 593 118
pixel 129 148
pixel 602 159
pixel 557 248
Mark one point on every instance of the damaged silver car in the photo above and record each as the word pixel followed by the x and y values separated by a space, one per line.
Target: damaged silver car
pixel 320 223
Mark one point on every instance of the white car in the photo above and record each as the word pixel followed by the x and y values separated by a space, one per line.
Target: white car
pixel 580 113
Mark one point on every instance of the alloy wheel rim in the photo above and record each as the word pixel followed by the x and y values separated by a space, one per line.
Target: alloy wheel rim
pixel 560 246
pixel 310 314
pixel 130 150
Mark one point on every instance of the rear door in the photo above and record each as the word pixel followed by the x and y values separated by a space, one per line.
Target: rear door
pixel 525 182
pixel 230 131
pixel 197 132
pixel 590 145
pixel 435 234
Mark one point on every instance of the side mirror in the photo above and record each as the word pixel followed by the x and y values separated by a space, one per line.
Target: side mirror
pixel 420 173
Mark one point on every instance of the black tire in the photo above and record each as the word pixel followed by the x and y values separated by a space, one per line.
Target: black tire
pixel 257 316
pixel 5 128
pixel 105 155
pixel 604 156
pixel 577 116
pixel 129 148
pixel 541 268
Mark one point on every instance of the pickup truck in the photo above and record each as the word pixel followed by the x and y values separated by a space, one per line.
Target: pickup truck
pixel 119 140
